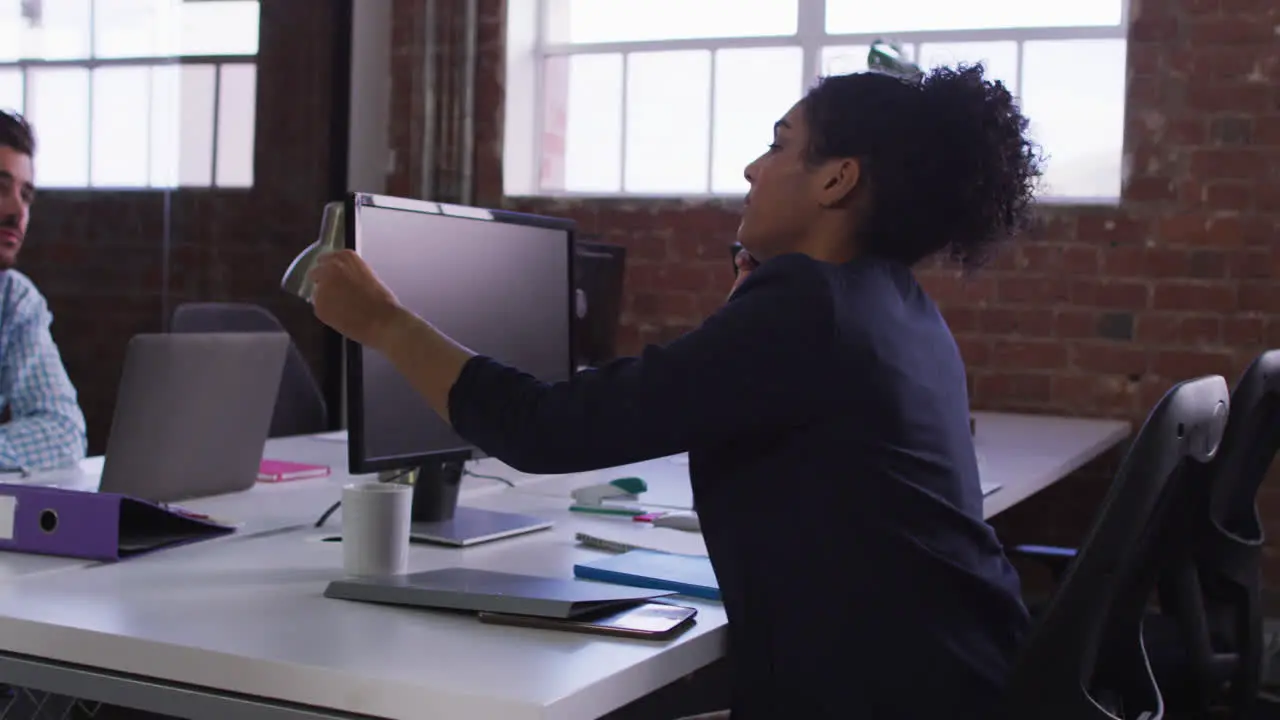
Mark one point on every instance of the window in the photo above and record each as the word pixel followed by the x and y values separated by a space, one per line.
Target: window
pixel 134 93
pixel 675 97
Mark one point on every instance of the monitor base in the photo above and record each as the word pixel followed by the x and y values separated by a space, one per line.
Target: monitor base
pixel 472 526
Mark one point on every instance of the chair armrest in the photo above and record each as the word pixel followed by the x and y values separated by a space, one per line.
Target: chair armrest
pixel 1056 559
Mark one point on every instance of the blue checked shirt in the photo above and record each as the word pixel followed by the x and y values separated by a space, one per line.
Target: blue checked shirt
pixel 46 427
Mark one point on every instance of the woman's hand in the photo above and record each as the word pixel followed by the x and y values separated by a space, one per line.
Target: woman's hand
pixel 745 264
pixel 350 299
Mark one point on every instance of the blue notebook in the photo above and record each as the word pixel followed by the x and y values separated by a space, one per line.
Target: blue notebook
pixel 684 574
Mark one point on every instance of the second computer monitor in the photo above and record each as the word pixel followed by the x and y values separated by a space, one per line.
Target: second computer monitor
pixel 598 272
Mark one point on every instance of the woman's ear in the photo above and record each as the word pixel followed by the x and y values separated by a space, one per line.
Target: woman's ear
pixel 839 179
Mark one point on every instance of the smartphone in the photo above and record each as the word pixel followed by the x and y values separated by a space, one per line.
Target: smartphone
pixel 648 621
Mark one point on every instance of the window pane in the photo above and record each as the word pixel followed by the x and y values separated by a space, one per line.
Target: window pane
pixel 847 59
pixel 754 88
pixel 870 16
pixel 59 113
pixel 11 89
pixel 1000 58
pixel 195 113
pixel 588 122
pixel 12 30
pixel 668 119
pixel 132 28
pixel 120 119
pixel 182 126
pixel 237 112
pixel 218 27
pixel 61 32
pixel 598 21
pixel 1073 93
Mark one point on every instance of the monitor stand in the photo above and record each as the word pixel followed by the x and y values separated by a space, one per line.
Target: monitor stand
pixel 438 519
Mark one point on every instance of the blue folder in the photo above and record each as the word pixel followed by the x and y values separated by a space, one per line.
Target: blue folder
pixel 684 574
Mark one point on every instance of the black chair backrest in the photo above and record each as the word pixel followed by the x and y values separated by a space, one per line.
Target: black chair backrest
pixel 300 406
pixel 1213 589
pixel 1085 659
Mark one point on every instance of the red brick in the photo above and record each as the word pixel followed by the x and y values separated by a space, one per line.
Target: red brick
pixel 1111 228
pixel 1177 365
pixel 1071 323
pixel 1036 322
pixel 1106 395
pixel 961 319
pixel 664 305
pixel 1149 189
pixel 1118 294
pixel 1254 264
pixel 1109 358
pixel 1227 163
pixel 1212 297
pixel 1046 290
pixel 1200 7
pixel 976 351
pixel 1231 31
pixel 1200 331
pixel 652 277
pixel 1164 262
pixel 1267 130
pixel 1229 195
pixel 1210 95
pixel 1158 329
pixel 1244 330
pixel 948 287
pixel 1260 297
pixel 1028 354
pixel 1014 389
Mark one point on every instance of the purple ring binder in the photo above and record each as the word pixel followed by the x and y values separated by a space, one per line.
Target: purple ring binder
pixel 93 525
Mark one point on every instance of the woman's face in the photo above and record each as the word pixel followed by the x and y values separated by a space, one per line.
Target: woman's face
pixel 781 206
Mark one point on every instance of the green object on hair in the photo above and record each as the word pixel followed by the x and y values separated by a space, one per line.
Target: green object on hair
pixel 888 58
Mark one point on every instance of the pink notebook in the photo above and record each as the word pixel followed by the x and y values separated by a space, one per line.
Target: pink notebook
pixel 272 471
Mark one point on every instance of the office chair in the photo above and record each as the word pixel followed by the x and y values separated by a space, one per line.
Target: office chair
pixel 300 406
pixel 1085 659
pixel 1210 645
pixel 1206 644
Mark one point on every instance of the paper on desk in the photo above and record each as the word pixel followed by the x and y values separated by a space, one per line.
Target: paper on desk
pixel 339 436
pixel 657 539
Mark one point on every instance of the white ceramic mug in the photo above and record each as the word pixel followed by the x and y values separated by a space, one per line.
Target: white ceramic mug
pixel 375 529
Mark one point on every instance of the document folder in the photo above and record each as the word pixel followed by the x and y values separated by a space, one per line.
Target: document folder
pixel 93 525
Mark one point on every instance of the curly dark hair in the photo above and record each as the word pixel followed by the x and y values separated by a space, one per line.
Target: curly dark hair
pixel 946 156
pixel 16 133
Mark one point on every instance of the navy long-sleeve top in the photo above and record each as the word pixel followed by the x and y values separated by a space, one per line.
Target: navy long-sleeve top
pixel 826 416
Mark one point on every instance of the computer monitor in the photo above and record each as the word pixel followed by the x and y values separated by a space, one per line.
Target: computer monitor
pixel 500 283
pixel 598 270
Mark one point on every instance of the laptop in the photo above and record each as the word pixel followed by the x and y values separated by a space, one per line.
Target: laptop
pixel 192 414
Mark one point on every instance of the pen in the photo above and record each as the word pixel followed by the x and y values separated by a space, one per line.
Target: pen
pixel 607 510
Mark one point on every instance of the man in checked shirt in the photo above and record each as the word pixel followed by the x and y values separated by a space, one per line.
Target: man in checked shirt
pixel 46 427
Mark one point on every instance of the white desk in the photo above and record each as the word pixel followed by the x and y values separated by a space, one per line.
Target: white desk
pixel 237 627
pixel 1024 454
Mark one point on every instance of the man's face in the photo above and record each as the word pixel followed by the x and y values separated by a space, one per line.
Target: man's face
pixel 17 190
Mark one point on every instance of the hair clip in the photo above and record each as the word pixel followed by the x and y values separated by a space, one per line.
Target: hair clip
pixel 888 58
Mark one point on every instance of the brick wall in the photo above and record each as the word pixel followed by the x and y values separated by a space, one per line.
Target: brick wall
pixel 100 257
pixel 1095 313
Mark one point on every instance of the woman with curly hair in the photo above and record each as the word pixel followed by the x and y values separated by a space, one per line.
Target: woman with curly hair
pixel 824 407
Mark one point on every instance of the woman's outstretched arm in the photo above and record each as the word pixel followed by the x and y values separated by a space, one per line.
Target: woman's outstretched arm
pixel 762 362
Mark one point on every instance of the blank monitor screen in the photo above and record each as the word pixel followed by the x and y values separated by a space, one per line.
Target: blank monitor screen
pixel 500 288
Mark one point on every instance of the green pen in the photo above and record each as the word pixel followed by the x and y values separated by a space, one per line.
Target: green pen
pixel 601 510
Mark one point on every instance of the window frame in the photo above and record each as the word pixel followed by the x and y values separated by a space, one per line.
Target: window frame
pixel 811 37
pixel 90 63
